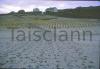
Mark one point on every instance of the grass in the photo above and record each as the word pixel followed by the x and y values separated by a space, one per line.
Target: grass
pixel 31 20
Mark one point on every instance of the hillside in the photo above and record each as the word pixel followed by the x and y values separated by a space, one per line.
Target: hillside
pixel 79 12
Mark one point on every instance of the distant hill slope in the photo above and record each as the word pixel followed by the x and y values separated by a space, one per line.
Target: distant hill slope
pixel 79 12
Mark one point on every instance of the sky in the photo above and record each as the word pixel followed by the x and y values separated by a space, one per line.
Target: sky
pixel 7 6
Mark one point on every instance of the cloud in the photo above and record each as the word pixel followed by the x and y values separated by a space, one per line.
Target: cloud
pixel 28 5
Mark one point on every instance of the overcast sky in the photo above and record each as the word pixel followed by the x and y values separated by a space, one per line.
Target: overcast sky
pixel 28 5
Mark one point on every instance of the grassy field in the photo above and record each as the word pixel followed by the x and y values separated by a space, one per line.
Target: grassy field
pixel 16 21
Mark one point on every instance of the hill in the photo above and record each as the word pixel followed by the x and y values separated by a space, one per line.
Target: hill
pixel 79 12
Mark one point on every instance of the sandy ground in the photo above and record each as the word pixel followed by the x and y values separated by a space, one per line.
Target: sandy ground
pixel 50 54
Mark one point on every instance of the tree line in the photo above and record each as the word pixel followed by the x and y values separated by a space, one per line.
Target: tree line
pixel 79 12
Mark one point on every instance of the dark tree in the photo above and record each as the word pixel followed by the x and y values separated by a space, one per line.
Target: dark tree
pixel 21 12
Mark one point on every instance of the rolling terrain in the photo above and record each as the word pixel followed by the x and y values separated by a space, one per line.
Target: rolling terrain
pixel 49 54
